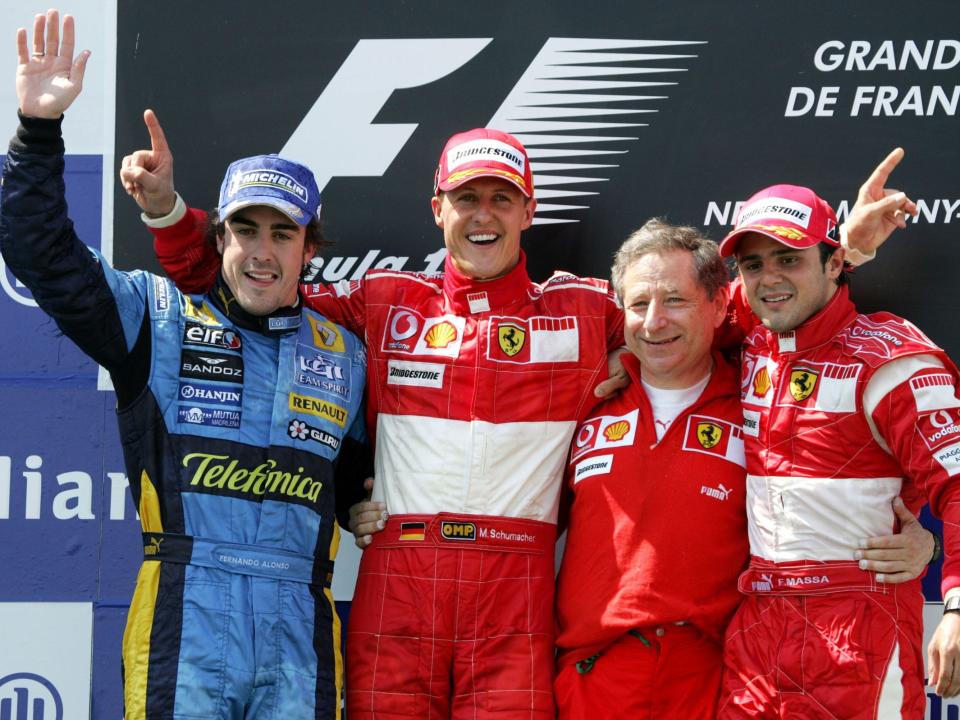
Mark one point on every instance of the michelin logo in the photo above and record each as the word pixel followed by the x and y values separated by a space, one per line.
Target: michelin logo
pixel 267 178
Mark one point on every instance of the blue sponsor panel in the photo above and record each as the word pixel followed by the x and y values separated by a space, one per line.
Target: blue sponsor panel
pixel 68 528
pixel 109 621
pixel 31 345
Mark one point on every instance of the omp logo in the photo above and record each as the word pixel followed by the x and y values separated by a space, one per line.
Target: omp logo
pixel 554 103
pixel 459 531
pixel 26 696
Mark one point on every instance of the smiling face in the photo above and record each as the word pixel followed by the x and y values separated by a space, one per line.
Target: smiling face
pixel 263 255
pixel 668 319
pixel 481 222
pixel 785 286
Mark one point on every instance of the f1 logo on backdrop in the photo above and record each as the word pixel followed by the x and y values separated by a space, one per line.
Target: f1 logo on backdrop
pixel 546 109
pixel 25 696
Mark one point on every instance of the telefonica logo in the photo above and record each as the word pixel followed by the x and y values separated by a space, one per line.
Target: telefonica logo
pixel 26 696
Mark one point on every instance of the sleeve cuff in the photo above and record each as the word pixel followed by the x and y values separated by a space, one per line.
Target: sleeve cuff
pixel 171 218
pixel 852 255
pixel 38 135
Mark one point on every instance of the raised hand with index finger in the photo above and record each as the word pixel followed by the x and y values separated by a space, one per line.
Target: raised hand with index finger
pixel 147 175
pixel 49 78
pixel 879 210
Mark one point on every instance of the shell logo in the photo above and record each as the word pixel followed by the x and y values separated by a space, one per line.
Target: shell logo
pixel 787 233
pixel 761 382
pixel 616 431
pixel 440 335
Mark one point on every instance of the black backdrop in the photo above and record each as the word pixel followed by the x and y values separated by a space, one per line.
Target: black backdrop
pixel 231 79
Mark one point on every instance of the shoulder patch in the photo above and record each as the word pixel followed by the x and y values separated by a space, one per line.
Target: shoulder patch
pixel 881 337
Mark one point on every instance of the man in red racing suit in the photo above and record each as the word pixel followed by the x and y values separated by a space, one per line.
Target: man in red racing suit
pixel 657 531
pixel 842 412
pixel 477 380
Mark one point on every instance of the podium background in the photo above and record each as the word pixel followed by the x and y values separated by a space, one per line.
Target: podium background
pixel 677 109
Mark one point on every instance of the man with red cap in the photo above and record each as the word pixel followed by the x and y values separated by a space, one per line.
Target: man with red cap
pixel 477 379
pixel 842 413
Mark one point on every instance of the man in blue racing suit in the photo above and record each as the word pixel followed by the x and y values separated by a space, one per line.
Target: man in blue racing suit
pixel 232 409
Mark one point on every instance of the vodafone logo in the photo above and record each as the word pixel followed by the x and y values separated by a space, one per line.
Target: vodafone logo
pixel 404 325
pixel 941 418
pixel 585 435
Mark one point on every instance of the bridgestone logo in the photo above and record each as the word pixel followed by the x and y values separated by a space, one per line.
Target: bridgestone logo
pixel 597 465
pixel 420 374
pixel 485 150
pixel 780 208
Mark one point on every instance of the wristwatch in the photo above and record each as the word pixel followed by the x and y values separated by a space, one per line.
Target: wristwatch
pixel 952 605
pixel 937 549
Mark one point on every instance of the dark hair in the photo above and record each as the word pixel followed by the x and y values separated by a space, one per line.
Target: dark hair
pixel 826 252
pixel 658 236
pixel 313 238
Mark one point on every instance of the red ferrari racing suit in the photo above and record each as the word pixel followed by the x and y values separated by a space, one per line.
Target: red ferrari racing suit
pixel 840 416
pixel 657 537
pixel 474 391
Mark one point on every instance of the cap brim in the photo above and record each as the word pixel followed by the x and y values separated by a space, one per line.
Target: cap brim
pixel 289 209
pixel 728 246
pixel 459 178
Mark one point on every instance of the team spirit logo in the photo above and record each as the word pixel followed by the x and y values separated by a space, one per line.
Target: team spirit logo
pixel 511 337
pixel 709 434
pixel 802 383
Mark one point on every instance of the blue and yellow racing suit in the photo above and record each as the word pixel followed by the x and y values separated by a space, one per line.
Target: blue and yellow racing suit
pixel 230 425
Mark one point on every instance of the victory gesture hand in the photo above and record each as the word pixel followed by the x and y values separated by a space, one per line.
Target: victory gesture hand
pixel 48 78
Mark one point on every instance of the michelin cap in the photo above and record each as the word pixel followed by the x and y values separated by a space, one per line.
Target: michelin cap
pixel 789 214
pixel 273 181
pixel 483 152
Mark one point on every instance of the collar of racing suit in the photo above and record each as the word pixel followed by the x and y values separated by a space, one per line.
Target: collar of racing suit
pixel 817 330
pixel 466 295
pixel 724 377
pixel 280 321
